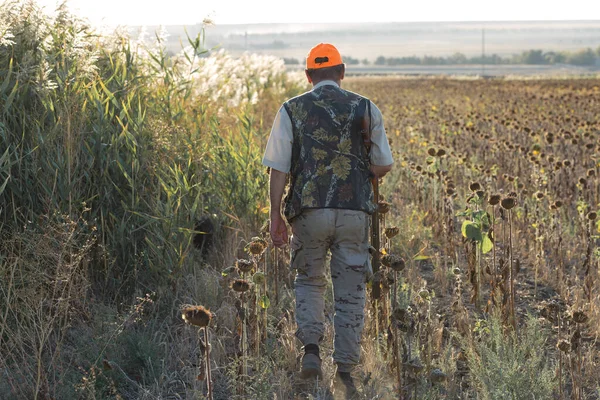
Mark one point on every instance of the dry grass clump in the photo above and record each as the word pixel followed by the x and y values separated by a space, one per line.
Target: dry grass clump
pixel 44 286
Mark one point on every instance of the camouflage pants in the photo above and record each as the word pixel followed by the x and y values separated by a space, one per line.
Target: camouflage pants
pixel 345 234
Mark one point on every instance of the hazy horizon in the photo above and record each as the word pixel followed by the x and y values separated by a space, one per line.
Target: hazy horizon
pixel 398 39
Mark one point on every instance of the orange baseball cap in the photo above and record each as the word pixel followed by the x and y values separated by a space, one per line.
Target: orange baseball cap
pixel 323 55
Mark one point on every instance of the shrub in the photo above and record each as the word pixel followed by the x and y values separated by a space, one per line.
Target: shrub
pixel 510 366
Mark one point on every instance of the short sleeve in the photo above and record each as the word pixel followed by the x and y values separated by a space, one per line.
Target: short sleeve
pixel 381 154
pixel 278 153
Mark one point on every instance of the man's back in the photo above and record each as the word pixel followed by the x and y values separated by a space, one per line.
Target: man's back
pixel 330 164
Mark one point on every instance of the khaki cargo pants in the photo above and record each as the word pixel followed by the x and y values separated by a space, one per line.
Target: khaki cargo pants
pixel 345 233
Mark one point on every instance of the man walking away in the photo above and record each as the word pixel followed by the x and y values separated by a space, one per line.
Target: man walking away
pixel 318 138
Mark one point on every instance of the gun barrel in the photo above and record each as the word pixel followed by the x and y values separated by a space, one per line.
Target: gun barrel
pixel 375 242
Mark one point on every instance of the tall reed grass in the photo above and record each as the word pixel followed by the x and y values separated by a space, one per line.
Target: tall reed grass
pixel 110 151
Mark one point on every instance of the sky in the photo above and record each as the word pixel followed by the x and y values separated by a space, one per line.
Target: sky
pixel 190 12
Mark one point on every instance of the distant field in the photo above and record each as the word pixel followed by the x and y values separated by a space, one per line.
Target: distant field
pixel 399 39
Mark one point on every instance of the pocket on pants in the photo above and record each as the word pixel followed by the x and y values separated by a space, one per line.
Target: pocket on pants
pixel 359 260
pixel 297 261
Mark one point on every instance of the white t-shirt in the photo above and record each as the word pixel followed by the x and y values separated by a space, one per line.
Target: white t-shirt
pixel 278 153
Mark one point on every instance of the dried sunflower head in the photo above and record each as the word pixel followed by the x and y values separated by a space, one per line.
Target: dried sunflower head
pixel 394 262
pixel 384 207
pixel 244 265
pixel 196 315
pixel 508 203
pixel 475 186
pixel 240 285
pixel 564 346
pixel 580 317
pixel 494 199
pixel 391 232
pixel 256 248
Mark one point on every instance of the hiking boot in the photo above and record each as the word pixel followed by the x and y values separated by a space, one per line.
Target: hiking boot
pixel 311 366
pixel 345 384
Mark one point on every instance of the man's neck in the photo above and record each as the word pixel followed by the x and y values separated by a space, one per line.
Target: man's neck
pixel 327 82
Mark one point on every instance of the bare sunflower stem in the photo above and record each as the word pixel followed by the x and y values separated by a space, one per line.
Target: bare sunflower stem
pixel 494 271
pixel 560 360
pixel 209 385
pixel 244 344
pixel 258 321
pixel 511 273
pixel 276 276
pixel 264 311
pixel 397 354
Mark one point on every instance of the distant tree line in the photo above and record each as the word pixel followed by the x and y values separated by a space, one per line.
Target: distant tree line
pixel 586 57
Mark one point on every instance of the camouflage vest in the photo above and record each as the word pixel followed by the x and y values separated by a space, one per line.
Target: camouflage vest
pixel 330 164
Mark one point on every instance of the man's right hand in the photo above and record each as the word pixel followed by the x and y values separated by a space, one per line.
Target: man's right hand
pixel 278 230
